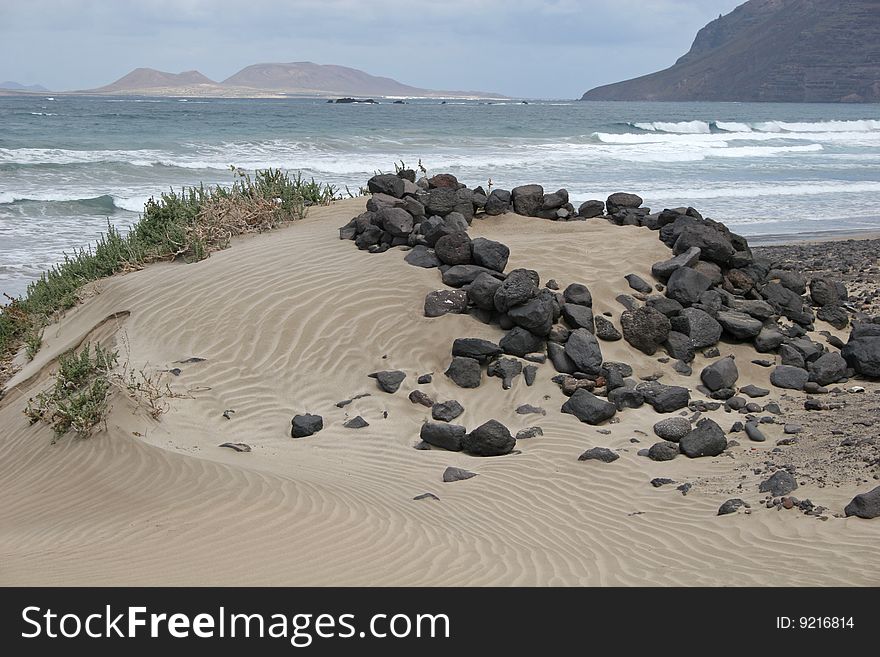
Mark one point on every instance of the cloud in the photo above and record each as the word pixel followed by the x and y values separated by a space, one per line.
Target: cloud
pixel 537 48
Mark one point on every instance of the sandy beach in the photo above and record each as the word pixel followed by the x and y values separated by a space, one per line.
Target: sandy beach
pixel 292 321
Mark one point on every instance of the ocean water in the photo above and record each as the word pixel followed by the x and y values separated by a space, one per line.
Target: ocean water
pixel 70 165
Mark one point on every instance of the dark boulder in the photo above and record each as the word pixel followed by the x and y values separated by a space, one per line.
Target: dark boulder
pixel 663 451
pixel 555 200
pixel 605 330
pixel 703 329
pixel 835 315
pixel 477 348
pixel 713 244
pixel 421 256
pixel 626 397
pixel 672 428
pixel 828 368
pixel 863 355
pixel 584 351
pixel 680 346
pixel 452 474
pixel 865 505
pixel 465 372
pixel 489 439
pixel 440 434
pixel 305 425
pixel 454 249
pixel 827 292
pixel 490 254
pixel 720 374
pixel 787 303
pixel 622 201
pixel 781 482
pixel 388 380
pixel 730 506
pixel 398 222
pixel 686 285
pixel 561 362
pixel 639 284
pixel 645 328
pixel 482 291
pixel 663 270
pixel 577 294
pixel 443 180
pixel 441 302
pixel 789 377
pixel 706 439
pixel 754 432
pixel 441 201
pixel 519 342
pixel 577 316
pixel 663 398
pixel 739 325
pixel 498 202
pixel 536 314
pixel 386 183
pixel 505 369
pixel 589 408
pixel 527 199
pixel 602 454
pixel 590 209
pixel 769 340
pixel 356 422
pixel 459 275
pixel 519 286
pixel 446 411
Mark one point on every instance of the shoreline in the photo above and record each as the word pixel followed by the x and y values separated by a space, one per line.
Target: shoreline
pixel 815 237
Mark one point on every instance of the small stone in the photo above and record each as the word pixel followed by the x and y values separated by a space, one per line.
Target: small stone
pixel 529 432
pixel 419 397
pixel 599 454
pixel 389 380
pixel 663 451
pixel 780 483
pixel 457 474
pixel 446 411
pixel 356 423
pixel 754 391
pixel 661 481
pixel 305 425
pixel 730 506
pixel 426 496
pixel 672 428
pixel 238 447
pixel 528 409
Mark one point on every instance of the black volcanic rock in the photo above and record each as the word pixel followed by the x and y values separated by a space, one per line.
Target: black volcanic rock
pixel 775 51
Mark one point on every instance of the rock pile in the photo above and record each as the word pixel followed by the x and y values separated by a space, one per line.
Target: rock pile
pixel 712 289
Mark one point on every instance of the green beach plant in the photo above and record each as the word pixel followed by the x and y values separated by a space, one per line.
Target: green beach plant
pixel 78 399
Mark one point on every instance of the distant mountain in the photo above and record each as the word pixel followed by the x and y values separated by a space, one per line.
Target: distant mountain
pixel 146 79
pixel 328 79
pixel 772 50
pixel 16 86
pixel 297 78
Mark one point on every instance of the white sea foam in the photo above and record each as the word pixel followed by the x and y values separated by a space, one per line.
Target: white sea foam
pixel 682 127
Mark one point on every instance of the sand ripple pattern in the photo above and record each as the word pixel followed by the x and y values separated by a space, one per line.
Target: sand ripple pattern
pixel 293 321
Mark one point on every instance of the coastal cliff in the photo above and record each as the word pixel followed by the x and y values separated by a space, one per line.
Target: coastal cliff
pixel 772 50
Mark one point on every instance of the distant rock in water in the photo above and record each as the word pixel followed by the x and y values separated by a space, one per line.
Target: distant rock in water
pixel 798 51
pixel 345 101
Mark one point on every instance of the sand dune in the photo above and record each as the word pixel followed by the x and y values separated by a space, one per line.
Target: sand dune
pixel 293 321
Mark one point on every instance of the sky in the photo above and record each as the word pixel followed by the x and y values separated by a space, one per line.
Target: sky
pixel 521 48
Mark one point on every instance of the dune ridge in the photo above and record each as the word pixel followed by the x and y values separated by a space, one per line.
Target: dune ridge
pixel 293 321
